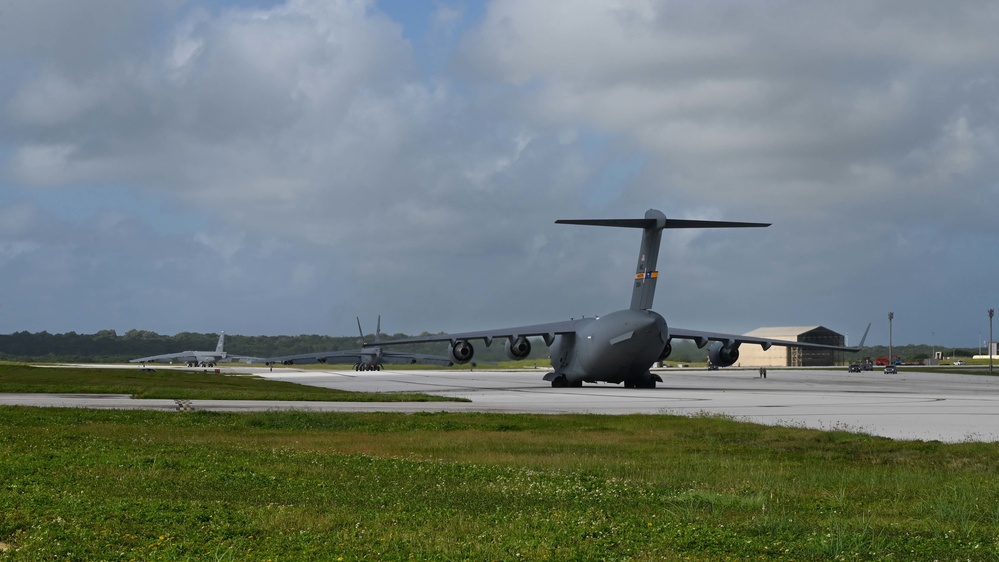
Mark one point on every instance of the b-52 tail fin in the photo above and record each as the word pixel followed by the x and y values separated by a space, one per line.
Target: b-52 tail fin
pixel 378 330
pixel 653 225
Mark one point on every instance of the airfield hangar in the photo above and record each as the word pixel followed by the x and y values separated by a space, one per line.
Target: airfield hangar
pixel 752 355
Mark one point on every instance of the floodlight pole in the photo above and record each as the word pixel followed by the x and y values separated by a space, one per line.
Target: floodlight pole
pixel 992 311
pixel 891 358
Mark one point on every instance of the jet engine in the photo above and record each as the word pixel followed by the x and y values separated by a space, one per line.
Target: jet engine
pixel 667 349
pixel 723 354
pixel 518 348
pixel 461 351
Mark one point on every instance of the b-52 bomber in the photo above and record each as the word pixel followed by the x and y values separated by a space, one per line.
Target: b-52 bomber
pixel 622 346
pixel 368 358
pixel 199 358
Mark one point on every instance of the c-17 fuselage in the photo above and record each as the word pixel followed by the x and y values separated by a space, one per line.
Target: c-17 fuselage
pixel 618 347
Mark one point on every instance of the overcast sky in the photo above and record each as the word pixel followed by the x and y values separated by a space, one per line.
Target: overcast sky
pixel 271 168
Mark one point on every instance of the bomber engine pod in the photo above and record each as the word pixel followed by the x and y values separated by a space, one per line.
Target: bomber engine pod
pixel 461 351
pixel 517 348
pixel 724 355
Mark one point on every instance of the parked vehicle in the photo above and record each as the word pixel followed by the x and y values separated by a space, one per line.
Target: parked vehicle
pixel 883 360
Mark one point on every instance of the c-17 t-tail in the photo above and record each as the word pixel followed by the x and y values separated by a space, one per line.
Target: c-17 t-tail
pixel 621 346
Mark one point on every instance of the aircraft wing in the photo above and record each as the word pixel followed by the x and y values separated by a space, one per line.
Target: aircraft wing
pixel 550 330
pixel 335 357
pixel 410 358
pixel 244 358
pixel 703 338
pixel 166 357
pixel 359 356
pixel 546 331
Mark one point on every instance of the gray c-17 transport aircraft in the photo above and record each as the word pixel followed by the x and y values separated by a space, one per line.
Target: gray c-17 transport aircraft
pixel 364 359
pixel 621 346
pixel 199 358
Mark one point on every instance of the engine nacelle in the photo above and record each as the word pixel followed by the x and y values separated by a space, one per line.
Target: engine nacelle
pixel 667 349
pixel 723 355
pixel 518 348
pixel 461 352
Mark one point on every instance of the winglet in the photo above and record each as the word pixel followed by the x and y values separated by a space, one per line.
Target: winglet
pixel 863 339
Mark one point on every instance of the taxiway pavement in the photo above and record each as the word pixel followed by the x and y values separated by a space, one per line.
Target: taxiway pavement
pixel 909 405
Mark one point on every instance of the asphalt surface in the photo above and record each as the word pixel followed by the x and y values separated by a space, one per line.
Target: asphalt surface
pixel 909 405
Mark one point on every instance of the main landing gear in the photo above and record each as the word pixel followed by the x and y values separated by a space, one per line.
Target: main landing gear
pixel 649 381
pixel 562 382
pixel 366 367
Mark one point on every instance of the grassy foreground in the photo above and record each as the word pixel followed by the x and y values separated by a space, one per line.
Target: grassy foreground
pixel 132 485
pixel 178 384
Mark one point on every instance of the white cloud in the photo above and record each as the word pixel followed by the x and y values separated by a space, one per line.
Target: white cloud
pixel 224 244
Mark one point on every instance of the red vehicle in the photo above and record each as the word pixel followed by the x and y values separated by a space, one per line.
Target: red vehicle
pixel 883 360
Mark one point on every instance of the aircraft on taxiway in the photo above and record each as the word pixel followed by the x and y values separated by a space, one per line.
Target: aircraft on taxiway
pixel 199 358
pixel 364 359
pixel 621 346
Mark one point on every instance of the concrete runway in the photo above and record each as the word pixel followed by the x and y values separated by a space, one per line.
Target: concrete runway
pixel 909 405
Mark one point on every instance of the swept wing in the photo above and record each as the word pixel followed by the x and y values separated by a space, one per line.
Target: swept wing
pixel 546 331
pixel 569 327
pixel 357 356
pixel 703 338
pixel 167 357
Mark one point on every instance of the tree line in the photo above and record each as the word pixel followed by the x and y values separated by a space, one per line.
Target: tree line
pixel 107 346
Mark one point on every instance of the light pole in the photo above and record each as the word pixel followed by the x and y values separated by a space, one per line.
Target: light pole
pixel 891 358
pixel 992 311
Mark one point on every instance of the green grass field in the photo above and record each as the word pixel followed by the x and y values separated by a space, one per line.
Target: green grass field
pixel 179 384
pixel 132 485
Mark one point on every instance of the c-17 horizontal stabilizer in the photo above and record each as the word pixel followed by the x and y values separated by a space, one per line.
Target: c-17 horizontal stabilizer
pixel 653 224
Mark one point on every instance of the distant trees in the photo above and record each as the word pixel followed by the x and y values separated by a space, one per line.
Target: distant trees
pixel 106 346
